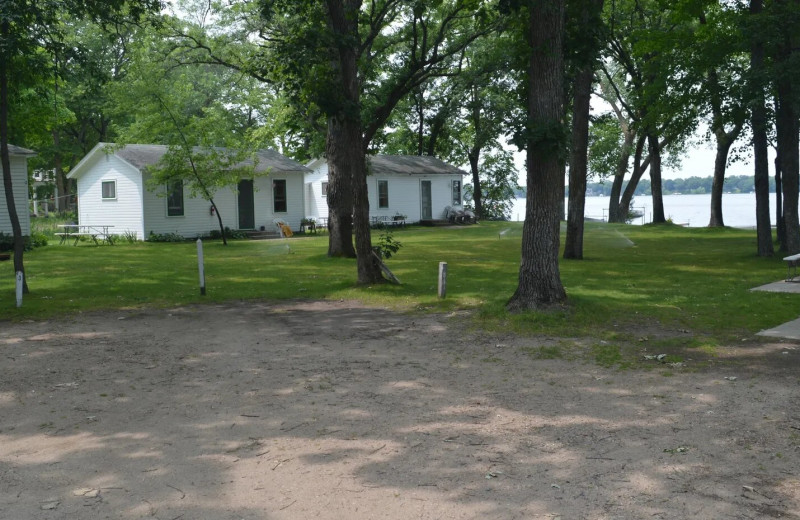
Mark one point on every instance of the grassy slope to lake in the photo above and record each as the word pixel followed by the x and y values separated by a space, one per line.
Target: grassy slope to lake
pixel 672 278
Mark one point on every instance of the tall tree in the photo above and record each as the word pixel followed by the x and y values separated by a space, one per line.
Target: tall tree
pixel 26 28
pixel 343 51
pixel 539 277
pixel 758 121
pixel 201 111
pixel 587 43
pixel 646 42
pixel 787 113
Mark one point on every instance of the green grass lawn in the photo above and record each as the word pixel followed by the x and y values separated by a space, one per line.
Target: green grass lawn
pixel 677 278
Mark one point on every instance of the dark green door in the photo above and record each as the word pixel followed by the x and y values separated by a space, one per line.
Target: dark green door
pixel 247 214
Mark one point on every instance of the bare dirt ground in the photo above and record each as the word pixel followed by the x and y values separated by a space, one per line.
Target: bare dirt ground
pixel 329 410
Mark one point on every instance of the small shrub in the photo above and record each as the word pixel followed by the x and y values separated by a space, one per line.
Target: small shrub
pixel 128 236
pixel 165 237
pixel 36 240
pixel 387 245
pixel 6 242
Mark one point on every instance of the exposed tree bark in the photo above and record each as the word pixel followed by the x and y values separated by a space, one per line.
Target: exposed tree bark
pixel 787 136
pixel 579 156
pixel 639 167
pixel 780 229
pixel 5 159
pixel 340 149
pixel 539 277
pixel 725 140
pixel 477 194
pixel 346 149
pixel 573 245
pixel 655 178
pixel 614 213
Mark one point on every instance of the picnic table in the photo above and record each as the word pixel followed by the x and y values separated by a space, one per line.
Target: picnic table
pixel 98 233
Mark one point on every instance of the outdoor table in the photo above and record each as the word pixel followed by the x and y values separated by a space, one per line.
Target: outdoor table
pixel 94 232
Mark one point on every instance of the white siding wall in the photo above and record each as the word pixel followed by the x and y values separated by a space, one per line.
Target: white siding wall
pixel 316 204
pixel 295 203
pixel 124 212
pixel 404 195
pixel 19 180
pixel 198 220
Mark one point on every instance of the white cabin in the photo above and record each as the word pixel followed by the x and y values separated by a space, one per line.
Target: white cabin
pixel 113 190
pixel 19 180
pixel 419 187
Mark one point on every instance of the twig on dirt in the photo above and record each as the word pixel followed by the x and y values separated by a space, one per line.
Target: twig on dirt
pixel 290 505
pixel 248 415
pixel 599 458
pixel 279 463
pixel 177 517
pixel 183 495
pixel 376 450
pixel 262 453
pixel 294 427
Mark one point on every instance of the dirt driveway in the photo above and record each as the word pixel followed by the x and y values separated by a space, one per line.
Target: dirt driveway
pixel 328 410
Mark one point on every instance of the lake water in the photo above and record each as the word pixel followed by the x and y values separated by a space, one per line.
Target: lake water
pixel 738 209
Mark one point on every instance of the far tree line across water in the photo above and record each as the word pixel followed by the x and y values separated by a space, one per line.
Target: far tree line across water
pixel 688 186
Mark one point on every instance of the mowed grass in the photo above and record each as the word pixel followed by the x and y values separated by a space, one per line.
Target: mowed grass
pixel 692 279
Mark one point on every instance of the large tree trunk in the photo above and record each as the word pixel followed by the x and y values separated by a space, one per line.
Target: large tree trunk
pixel 788 145
pixel 639 168
pixel 539 277
pixel 780 229
pixel 614 213
pixel 758 117
pixel 340 147
pixel 5 159
pixel 573 246
pixel 477 189
pixel 340 188
pixel 724 142
pixel 346 150
pixel 578 165
pixel 655 178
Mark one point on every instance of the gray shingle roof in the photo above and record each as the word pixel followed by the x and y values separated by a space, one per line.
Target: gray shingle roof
pixel 410 165
pixel 144 155
pixel 18 150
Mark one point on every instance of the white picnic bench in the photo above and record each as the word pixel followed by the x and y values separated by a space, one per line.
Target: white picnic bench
pixel 76 231
pixel 791 265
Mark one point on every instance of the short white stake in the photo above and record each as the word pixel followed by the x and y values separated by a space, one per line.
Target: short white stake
pixel 200 267
pixel 442 279
pixel 20 279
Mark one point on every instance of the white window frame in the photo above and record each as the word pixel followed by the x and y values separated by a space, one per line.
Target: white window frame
pixel 324 188
pixel 103 191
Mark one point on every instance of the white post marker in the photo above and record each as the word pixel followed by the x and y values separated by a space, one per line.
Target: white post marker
pixel 200 267
pixel 442 279
pixel 20 279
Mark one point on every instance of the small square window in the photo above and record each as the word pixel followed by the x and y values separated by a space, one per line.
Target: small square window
pixel 109 189
pixel 383 194
pixel 324 189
